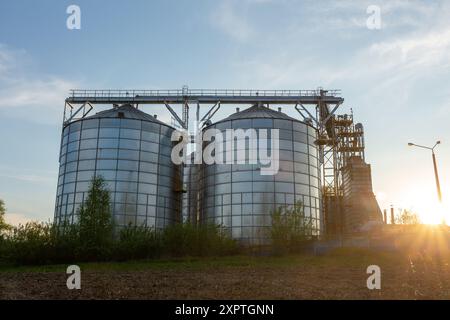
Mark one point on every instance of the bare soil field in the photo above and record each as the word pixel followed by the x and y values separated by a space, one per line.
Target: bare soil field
pixel 340 275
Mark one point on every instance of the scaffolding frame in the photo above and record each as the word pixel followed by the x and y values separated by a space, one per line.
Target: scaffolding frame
pixel 186 96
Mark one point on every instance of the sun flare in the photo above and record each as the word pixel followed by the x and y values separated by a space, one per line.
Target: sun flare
pixel 426 205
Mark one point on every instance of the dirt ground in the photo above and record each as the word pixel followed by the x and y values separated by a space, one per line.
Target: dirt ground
pixel 241 278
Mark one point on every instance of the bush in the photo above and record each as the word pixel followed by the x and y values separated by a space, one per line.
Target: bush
pixel 3 249
pixel 137 243
pixel 408 217
pixel 37 243
pixel 45 243
pixel 67 244
pixel 92 238
pixel 30 243
pixel 291 229
pixel 187 239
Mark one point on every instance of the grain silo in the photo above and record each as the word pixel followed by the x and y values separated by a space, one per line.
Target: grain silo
pixel 240 198
pixel 131 151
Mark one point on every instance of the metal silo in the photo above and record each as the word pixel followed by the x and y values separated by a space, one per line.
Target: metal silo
pixel 241 199
pixel 131 151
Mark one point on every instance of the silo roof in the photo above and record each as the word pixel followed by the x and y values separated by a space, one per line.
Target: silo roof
pixel 258 112
pixel 128 112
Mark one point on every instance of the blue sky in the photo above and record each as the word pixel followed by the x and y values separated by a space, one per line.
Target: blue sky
pixel 395 79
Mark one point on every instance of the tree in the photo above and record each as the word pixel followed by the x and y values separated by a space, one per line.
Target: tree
pixel 2 211
pixel 3 224
pixel 95 222
pixel 408 217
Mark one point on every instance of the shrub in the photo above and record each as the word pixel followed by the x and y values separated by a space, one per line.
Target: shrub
pixel 92 238
pixel 3 249
pixel 67 243
pixel 291 229
pixel 408 217
pixel 138 243
pixel 187 239
pixel 45 243
pixel 30 243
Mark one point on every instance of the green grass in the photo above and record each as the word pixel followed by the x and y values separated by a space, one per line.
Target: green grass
pixel 339 257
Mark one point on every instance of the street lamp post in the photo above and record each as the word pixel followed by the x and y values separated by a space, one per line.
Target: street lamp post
pixel 438 186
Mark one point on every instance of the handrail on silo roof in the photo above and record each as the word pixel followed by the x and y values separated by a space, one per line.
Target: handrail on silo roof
pixel 132 94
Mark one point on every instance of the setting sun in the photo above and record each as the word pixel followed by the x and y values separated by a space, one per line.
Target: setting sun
pixel 425 204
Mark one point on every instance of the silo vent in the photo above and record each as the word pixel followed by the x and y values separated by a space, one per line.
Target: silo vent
pixel 155 116
pixel 121 114
pixel 279 109
pixel 237 109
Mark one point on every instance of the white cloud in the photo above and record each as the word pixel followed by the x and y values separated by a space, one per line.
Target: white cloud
pixel 231 21
pixel 393 58
pixel 48 92
pixel 31 178
pixel 9 61
pixel 419 50
pixel 35 97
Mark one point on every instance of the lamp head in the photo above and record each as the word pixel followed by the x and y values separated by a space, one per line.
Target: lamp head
pixel 410 144
pixel 438 142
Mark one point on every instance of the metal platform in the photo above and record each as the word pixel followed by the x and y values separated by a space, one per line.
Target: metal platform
pixel 81 102
pixel 225 96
